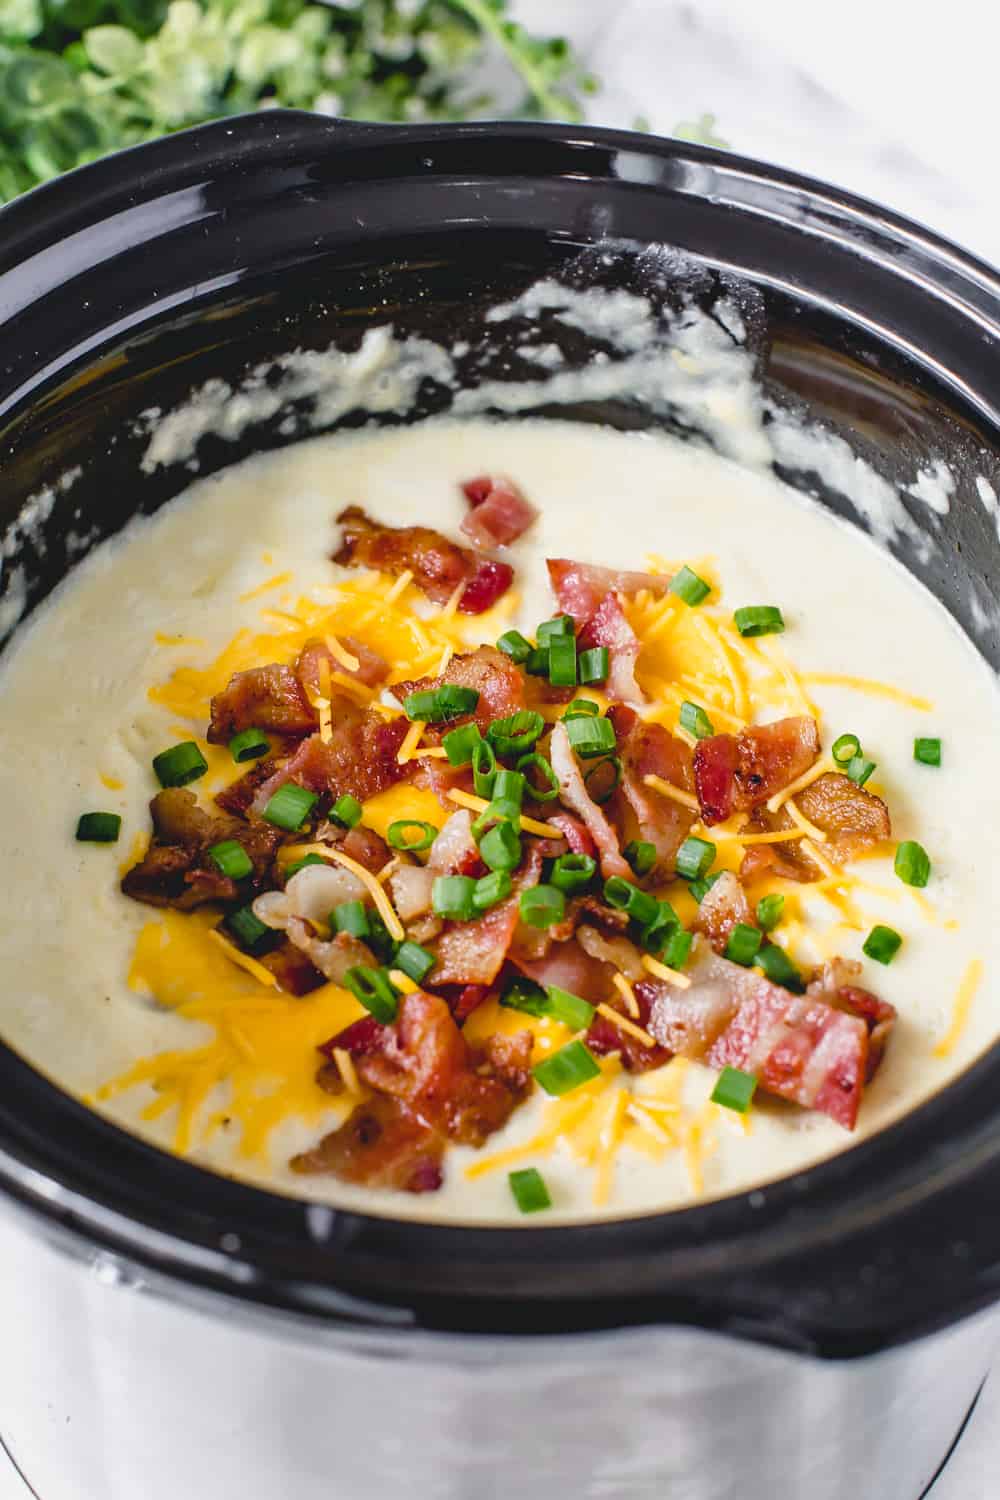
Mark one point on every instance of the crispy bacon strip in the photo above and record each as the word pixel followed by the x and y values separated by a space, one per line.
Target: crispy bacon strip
pixel 360 759
pixel 474 952
pixel 371 671
pixel 852 818
pixel 176 870
pixel 605 1037
pixel 724 908
pixel 499 512
pixel 488 672
pixel 574 793
pixel 609 627
pixel 270 698
pixel 580 587
pixel 734 773
pixel 650 750
pixel 382 1144
pixel 438 565
pixel 834 983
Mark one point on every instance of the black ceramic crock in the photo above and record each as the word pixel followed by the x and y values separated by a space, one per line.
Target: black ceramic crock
pixel 125 285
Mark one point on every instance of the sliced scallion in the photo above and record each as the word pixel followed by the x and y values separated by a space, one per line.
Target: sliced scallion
pixel 562 661
pixel 678 948
pixel 460 744
pixel 695 858
pixel 542 906
pixel 882 944
pixel 734 1090
pixel 437 705
pixel 779 968
pixel 351 917
pixel 484 768
pixel 912 864
pixel 769 909
pixel 500 848
pixel 845 747
pixel 688 586
pixel 743 944
pixel 415 962
pixel 452 897
pixel 572 872
pixel 513 644
pixel 98 828
pixel 641 855
pixel 567 1069
pixel 411 835
pixel 250 745
pixel 529 1190
pixel 375 991
pixel 347 811
pixel 696 721
pixel 491 889
pixel 590 737
pixel 860 769
pixel 927 752
pixel 180 764
pixel 517 733
pixel 593 665
pixel 290 806
pixel 545 786
pixel 581 708
pixel 555 629
pixel 624 896
pixel 759 619
pixel 250 932
pixel 231 859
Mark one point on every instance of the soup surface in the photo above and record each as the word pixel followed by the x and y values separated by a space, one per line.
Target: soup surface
pixel 164 1021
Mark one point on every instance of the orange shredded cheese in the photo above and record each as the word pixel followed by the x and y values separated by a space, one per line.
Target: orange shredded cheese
pixel 971 980
pixel 661 971
pixel 627 993
pixel 870 685
pixel 667 789
pixel 347 1071
pixel 479 804
pixel 265 587
pixel 384 906
pixel 244 961
pixel 340 653
pixel 624 1024
pixel 821 768
pixel 802 822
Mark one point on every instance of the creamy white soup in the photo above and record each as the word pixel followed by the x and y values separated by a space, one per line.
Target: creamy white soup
pixel 161 1021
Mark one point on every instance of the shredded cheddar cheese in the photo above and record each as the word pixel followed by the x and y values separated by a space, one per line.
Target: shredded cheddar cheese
pixel 243 960
pixel 971 980
pixel 479 804
pixel 821 768
pixel 407 749
pixel 347 1071
pixel 266 587
pixel 627 993
pixel 802 822
pixel 624 1024
pixel 661 971
pixel 872 686
pixel 667 789
pixel 339 652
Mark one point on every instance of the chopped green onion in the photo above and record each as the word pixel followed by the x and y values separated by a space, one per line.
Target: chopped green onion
pixel 860 770
pixel 552 1003
pixel 249 745
pixel 743 944
pixel 180 764
pixel 759 619
pixel 374 989
pixel 675 955
pixel 415 962
pixel 514 735
pixel 542 906
pixel 769 909
pixel 249 931
pixel 436 705
pixel 484 769
pixel 380 940
pixel 912 864
pixel 451 896
pixel 530 1192
pixel 509 786
pixel 657 933
pixel 492 888
pixel 845 748
pixel 98 828
pixel 779 968
pixel 602 780
pixel 500 810
pixel 640 855
pixel 554 630
pixel 537 662
pixel 562 661
pixel 927 752
pixel 594 665
pixel 696 721
pixel 734 1089
pixel 882 944
pixel 700 888
pixel 501 847
pixel 231 859
pixel 590 737
pixel 300 864
pixel 535 762
pixel 624 896
pixel 571 872
pixel 695 858
pixel 398 835
pixel 567 1069
pixel 347 811
pixel 513 644
pixel 290 806
pixel 525 995
pixel 460 744
pixel 688 586
pixel 582 708
pixel 350 917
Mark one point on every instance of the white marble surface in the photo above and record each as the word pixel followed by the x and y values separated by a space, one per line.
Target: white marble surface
pixel 890 100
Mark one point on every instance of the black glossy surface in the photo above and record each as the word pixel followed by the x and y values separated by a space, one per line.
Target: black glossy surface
pixel 131 282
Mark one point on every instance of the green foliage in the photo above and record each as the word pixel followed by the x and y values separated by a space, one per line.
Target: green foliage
pixel 79 78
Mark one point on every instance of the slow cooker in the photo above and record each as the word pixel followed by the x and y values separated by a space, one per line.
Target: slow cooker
pixel 170 1332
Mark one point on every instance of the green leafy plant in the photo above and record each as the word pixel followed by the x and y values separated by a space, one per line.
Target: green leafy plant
pixel 80 78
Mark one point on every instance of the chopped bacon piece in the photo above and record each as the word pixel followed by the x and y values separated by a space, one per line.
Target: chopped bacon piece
pixel 474 952
pixel 799 1047
pixel 570 968
pixel 333 959
pixel 574 793
pixel 412 888
pixel 462 1000
pixel 489 583
pixel 269 698
pixel 455 851
pixel 292 969
pixel 609 627
pixel 605 1037
pixel 360 759
pixel 371 671
pixel 734 773
pixel 176 870
pixel 382 1144
pixel 238 797
pixel 499 513
pixel 651 750
pixel 574 832
pixel 580 587
pixel 723 908
pixel 834 982
pixel 488 672
pixel 361 1039
pixel 366 848
pixel 437 564
pixel 852 818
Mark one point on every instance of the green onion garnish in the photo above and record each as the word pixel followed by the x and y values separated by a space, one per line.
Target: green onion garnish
pixel 602 779
pixel 231 859
pixel 695 858
pixel 524 994
pixel 249 745
pixel 912 864
pixel 530 1192
pixel 927 752
pixel 460 744
pixel 548 788
pixel 517 733
pixel 451 896
pixel 347 811
pixel 593 665
pixel 700 888
pixel 542 906
pixel 640 855
pixel 688 586
pixel 500 810
pixel 562 661
pixel 300 864
pixel 696 721
pixel 743 944
pixel 380 940
pixel 860 769
pixel 513 644
pixel 537 661
pixel 553 630
pixel 882 944
pixel 436 705
pixel 734 1089
pixel 759 619
pixel 566 1069
pixel 571 872
pixel 98 828
pixel 779 968
pixel 411 835
pixel 374 989
pixel 492 888
pixel 180 764
pixel 657 933
pixel 484 768
pixel 769 909
pixel 675 955
pixel 590 736
pixel 552 1003
pixel 290 806
pixel 501 847
pixel 351 917
pixel 415 962
pixel 624 896
pixel 509 786
pixel 248 930
pixel 845 747
pixel 582 708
